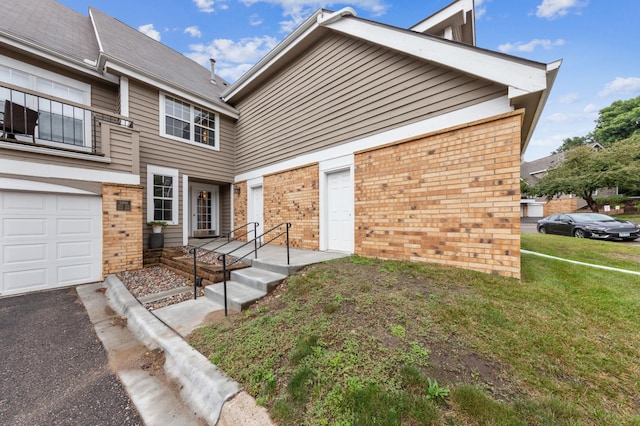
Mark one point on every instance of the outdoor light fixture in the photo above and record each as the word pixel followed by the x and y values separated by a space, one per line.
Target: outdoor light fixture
pixel 236 190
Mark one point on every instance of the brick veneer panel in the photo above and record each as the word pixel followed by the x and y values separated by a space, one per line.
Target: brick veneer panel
pixel 240 215
pixel 121 230
pixel 560 205
pixel 451 198
pixel 292 196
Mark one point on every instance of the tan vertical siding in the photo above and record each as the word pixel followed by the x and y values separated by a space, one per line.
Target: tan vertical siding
pixel 342 90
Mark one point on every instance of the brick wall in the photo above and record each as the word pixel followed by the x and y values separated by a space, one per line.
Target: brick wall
pixel 240 215
pixel 122 230
pixel 451 198
pixel 292 196
pixel 561 205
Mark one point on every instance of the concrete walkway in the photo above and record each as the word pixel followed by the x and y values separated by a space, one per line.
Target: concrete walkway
pixel 190 389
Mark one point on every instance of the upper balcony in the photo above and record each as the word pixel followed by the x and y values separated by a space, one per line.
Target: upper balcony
pixel 34 122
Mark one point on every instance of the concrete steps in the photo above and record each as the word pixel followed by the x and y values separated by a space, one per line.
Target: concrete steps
pixel 245 287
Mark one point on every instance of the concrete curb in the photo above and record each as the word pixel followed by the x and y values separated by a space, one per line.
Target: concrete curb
pixel 575 262
pixel 203 386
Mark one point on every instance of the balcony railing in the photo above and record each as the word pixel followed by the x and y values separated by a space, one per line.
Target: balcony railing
pixel 30 117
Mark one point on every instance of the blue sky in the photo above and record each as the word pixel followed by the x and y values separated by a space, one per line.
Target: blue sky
pixel 598 41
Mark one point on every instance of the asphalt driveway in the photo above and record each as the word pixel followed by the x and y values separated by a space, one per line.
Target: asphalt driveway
pixel 53 368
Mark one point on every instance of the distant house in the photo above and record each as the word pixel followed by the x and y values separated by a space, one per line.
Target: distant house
pixel 370 139
pixel 532 171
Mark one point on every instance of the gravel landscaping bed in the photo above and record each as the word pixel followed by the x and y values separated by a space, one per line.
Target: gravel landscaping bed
pixel 154 280
pixel 158 279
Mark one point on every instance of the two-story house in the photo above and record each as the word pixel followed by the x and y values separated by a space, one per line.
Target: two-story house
pixel 368 138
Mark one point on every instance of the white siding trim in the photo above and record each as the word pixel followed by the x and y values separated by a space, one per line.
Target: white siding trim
pixel 186 213
pixel 124 96
pixel 27 168
pixel 34 186
pixel 473 113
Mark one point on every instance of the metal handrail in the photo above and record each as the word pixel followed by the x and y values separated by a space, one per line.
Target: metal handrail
pixel 223 256
pixel 197 282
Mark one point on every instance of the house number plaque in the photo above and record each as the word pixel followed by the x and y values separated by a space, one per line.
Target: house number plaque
pixel 123 205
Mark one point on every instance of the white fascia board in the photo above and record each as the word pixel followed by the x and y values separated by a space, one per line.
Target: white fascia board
pixel 50 55
pixel 42 170
pixel 273 56
pixel 460 8
pixel 471 60
pixel 30 185
pixel 123 69
pixel 551 73
pixel 456 118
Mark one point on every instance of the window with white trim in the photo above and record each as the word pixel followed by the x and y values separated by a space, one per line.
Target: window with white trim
pixel 58 123
pixel 162 194
pixel 185 122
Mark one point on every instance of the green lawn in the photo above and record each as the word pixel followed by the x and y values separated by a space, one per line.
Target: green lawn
pixel 365 342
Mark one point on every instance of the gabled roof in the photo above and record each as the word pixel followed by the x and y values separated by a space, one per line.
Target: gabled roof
pixel 100 44
pixel 454 22
pixel 50 26
pixel 128 51
pixel 528 82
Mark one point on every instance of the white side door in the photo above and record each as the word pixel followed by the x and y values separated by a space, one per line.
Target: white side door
pixel 257 208
pixel 340 211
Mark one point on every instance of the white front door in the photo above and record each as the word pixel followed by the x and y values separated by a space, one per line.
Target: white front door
pixel 340 211
pixel 49 240
pixel 204 210
pixel 256 210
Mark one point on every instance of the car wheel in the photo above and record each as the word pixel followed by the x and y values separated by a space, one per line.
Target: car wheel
pixel 579 233
pixel 542 230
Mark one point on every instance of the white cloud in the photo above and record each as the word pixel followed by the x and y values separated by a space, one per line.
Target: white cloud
pixel 206 6
pixel 591 108
pixel 296 11
pixel 530 46
pixel 480 8
pixel 621 86
pixel 569 98
pixel 233 58
pixel 255 20
pixel 193 31
pixel 551 9
pixel 149 31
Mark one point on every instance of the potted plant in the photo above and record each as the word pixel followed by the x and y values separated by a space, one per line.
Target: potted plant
pixel 157 225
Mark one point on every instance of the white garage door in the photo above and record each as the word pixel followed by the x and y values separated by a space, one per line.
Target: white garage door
pixel 48 240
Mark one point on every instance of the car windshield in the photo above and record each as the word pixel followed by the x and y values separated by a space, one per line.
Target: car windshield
pixel 592 217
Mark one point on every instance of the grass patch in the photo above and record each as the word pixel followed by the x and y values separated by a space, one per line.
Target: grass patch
pixel 369 342
pixel 606 253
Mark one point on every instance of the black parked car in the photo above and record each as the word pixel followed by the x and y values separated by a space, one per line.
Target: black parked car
pixel 589 225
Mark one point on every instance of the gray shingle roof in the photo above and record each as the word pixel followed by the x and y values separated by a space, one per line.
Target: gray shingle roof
pixel 139 52
pixel 51 25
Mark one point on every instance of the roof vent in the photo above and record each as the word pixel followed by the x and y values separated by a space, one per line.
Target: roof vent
pixel 212 63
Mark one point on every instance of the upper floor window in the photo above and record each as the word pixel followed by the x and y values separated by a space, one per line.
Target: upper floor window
pixel 188 123
pixel 58 122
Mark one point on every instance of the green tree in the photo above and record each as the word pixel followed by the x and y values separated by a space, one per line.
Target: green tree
pixel 585 170
pixel 618 121
pixel 574 142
